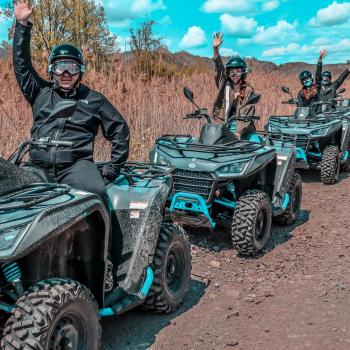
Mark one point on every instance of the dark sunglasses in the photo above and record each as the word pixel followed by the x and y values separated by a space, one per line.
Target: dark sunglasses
pixel 71 67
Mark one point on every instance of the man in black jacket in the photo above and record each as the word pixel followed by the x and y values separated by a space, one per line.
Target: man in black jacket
pixel 73 165
pixel 329 88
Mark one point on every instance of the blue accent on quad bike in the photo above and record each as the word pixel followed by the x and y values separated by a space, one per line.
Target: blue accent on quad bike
pixel 301 154
pixel 233 127
pixel 345 156
pixel 191 202
pixel 254 138
pixel 226 203
pixel 286 201
pixel 315 154
pixel 147 284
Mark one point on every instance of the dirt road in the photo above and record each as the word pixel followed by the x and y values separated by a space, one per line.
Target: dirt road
pixel 296 295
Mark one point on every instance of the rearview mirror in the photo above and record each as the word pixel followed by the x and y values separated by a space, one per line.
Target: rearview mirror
pixel 63 109
pixel 340 91
pixel 188 93
pixel 285 89
pixel 253 98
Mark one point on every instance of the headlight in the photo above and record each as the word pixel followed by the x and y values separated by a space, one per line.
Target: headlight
pixel 160 159
pixel 7 236
pixel 319 132
pixel 234 168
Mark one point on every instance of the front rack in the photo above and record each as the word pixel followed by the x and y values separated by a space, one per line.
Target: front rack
pixel 233 147
pixel 290 120
pixel 31 195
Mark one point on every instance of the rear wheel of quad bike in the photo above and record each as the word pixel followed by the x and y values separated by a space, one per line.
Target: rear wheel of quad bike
pixel 330 165
pixel 291 213
pixel 172 270
pixel 54 314
pixel 251 224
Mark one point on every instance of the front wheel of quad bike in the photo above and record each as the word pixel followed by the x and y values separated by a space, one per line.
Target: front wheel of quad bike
pixel 54 314
pixel 172 270
pixel 251 224
pixel 290 215
pixel 330 165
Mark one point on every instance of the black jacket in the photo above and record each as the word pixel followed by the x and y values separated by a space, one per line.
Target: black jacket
pixel 302 102
pixel 93 110
pixel 330 91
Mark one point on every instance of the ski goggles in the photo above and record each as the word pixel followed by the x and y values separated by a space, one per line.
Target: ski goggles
pixel 326 80
pixel 236 72
pixel 71 67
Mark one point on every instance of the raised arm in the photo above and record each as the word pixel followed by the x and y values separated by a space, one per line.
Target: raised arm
pixel 318 75
pixel 219 66
pixel 340 80
pixel 27 78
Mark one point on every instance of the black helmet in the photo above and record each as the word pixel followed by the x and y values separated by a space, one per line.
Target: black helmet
pixel 305 74
pixel 66 51
pixel 327 73
pixel 237 62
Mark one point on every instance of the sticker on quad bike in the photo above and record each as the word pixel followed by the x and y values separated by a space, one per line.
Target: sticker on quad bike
pixel 139 205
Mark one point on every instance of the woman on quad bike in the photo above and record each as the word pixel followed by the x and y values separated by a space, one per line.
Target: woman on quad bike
pixel 72 165
pixel 311 90
pixel 329 88
pixel 234 90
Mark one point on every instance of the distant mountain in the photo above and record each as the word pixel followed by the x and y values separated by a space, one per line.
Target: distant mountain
pixel 184 60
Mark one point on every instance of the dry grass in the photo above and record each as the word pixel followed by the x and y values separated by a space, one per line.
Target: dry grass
pixel 151 108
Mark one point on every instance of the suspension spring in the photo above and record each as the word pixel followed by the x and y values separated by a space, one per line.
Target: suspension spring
pixel 13 275
pixel 11 271
pixel 232 189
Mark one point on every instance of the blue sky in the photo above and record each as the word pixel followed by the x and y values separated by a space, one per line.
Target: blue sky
pixel 275 30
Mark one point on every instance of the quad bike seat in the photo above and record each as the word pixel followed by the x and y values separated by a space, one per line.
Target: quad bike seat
pixel 216 134
pixel 39 173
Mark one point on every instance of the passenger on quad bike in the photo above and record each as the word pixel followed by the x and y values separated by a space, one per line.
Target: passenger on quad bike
pixel 329 89
pixel 234 90
pixel 310 91
pixel 74 165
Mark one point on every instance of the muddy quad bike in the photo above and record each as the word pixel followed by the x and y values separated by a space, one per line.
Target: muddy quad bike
pixel 322 138
pixel 223 182
pixel 55 259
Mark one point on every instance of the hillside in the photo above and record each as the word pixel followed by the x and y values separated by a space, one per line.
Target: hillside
pixel 184 59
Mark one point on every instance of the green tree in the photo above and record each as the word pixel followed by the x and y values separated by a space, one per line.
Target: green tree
pixel 145 46
pixel 79 22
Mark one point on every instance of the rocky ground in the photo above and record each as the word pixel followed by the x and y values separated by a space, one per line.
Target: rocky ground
pixel 296 295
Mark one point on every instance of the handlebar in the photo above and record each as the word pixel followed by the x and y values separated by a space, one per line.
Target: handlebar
pixel 198 114
pixel 245 118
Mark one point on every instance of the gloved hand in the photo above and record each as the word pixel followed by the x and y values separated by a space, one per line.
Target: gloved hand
pixel 109 174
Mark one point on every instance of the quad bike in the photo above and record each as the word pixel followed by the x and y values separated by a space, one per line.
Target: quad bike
pixel 223 182
pixel 58 245
pixel 322 138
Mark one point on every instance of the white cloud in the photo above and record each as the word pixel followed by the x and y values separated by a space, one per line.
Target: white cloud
pixel 121 10
pixel 290 49
pixel 321 41
pixel 270 5
pixel 335 14
pixel 232 6
pixel 165 21
pixel 240 26
pixel 194 37
pixel 273 35
pixel 299 52
pixel 228 52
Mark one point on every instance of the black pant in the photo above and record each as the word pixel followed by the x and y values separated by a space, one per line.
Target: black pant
pixel 82 175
